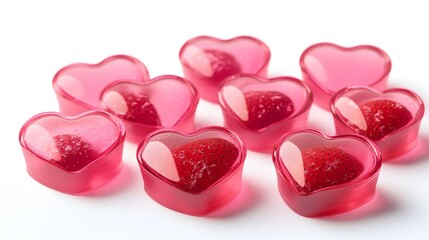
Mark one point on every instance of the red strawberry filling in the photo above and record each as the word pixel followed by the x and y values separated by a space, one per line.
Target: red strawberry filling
pixel 223 64
pixel 141 110
pixel 328 166
pixel 132 107
pixel 74 151
pixel 213 64
pixel 381 117
pixel 203 162
pixel 266 108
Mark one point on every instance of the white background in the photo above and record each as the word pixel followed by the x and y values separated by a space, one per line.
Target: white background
pixel 37 38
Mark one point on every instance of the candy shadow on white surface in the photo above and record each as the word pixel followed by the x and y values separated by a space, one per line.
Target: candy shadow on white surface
pixel 418 154
pixel 321 119
pixel 118 184
pixel 381 204
pixel 202 124
pixel 246 199
pixel 208 114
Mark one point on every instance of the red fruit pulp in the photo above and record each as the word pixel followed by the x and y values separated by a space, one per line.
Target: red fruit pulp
pixel 140 109
pixel 223 64
pixel 203 162
pixel 328 166
pixel 266 108
pixel 215 65
pixel 382 117
pixel 75 152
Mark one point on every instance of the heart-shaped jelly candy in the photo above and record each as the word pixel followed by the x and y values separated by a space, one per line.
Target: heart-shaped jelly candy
pixel 164 102
pixel 390 118
pixel 78 86
pixel 322 175
pixel 192 173
pixel 73 154
pixel 327 68
pixel 260 110
pixel 206 61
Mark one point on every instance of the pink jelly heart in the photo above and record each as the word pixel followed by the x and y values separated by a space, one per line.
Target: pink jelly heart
pixel 73 154
pixel 164 102
pixel 206 61
pixel 390 118
pixel 260 110
pixel 321 175
pixel 78 86
pixel 327 68
pixel 192 173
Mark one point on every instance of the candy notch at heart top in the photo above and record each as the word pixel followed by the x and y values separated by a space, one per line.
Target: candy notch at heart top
pixel 73 154
pixel 206 61
pixel 163 102
pixel 328 68
pixel 192 173
pixel 78 86
pixel 319 175
pixel 390 118
pixel 260 110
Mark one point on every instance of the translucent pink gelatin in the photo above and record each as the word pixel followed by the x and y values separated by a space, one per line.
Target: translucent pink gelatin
pixel 327 68
pixel 206 61
pixel 78 86
pixel 346 107
pixel 164 102
pixel 192 173
pixel 328 199
pixel 73 154
pixel 283 104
